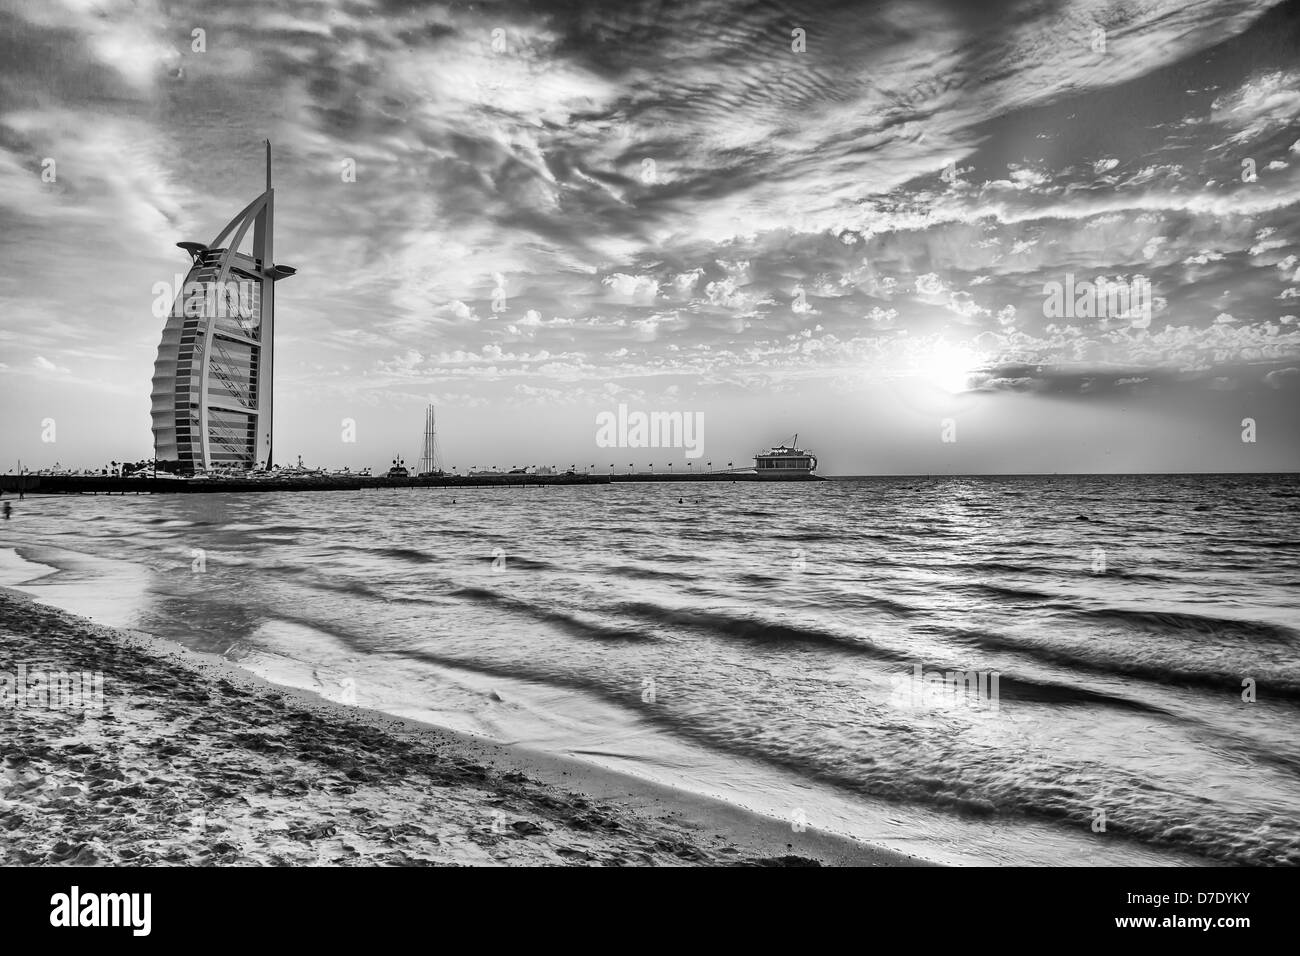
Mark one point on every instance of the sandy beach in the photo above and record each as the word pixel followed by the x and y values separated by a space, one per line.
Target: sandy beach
pixel 191 761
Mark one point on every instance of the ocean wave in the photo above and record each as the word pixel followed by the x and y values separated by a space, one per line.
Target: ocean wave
pixel 1003 567
pixel 1013 688
pixel 1002 590
pixel 1183 623
pixel 652 574
pixel 757 630
pixel 402 554
pixel 357 589
pixel 1102 662
pixel 568 622
pixel 295 529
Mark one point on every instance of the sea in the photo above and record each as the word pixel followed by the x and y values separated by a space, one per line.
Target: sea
pixel 1051 670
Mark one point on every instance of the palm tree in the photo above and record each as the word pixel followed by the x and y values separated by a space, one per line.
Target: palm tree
pixel 629 468
pixel 710 466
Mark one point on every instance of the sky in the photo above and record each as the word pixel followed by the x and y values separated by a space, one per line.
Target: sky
pixel 842 220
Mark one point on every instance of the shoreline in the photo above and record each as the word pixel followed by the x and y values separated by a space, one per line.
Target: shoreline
pixel 195 761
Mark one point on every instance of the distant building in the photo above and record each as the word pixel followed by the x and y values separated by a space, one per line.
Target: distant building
pixel 212 380
pixel 783 461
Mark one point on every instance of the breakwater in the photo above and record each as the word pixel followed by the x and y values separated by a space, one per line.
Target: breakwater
pixel 108 485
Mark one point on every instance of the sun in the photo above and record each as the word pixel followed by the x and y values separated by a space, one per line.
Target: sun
pixel 949 368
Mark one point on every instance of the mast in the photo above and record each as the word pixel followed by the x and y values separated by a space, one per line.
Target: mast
pixel 429 458
pixel 268 330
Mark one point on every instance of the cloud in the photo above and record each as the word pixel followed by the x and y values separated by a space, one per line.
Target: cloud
pixel 638 287
pixel 45 365
pixel 1283 378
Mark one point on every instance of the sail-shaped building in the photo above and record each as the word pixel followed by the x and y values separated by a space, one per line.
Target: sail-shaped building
pixel 212 380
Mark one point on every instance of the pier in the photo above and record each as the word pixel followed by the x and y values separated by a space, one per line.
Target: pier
pixel 109 485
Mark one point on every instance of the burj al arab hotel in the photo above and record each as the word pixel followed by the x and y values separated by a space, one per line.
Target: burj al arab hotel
pixel 212 378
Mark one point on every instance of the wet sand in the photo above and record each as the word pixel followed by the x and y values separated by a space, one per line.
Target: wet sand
pixel 192 761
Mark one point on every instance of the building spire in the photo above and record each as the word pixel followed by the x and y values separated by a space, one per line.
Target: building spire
pixel 268 164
